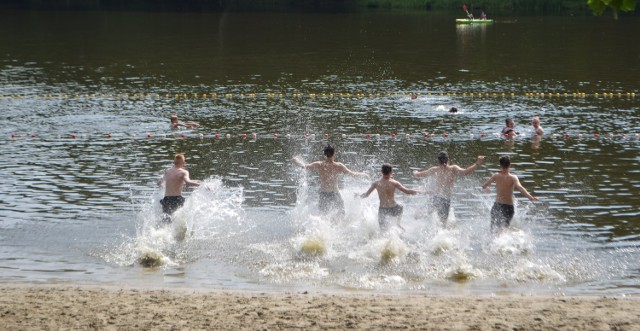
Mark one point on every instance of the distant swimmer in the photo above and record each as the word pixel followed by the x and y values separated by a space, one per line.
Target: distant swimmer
pixel 453 110
pixel 502 211
pixel 445 175
pixel 386 187
pixel 536 126
pixel 509 128
pixel 175 123
pixel 330 199
pixel 173 180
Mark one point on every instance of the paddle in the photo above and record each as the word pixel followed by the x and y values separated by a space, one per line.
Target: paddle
pixel 464 7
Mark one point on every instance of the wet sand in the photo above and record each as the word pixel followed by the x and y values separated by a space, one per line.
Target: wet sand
pixel 56 307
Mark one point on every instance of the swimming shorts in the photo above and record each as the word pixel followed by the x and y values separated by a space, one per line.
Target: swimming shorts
pixel 501 215
pixel 331 201
pixel 442 206
pixel 384 213
pixel 171 203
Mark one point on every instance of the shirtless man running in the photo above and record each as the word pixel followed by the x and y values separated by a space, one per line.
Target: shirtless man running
pixel 173 180
pixel 329 170
pixel 445 174
pixel 502 211
pixel 386 187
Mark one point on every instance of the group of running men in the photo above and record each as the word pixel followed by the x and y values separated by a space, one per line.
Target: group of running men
pixel 331 202
pixel 445 175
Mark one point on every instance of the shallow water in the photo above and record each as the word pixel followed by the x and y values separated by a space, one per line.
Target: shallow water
pixel 87 135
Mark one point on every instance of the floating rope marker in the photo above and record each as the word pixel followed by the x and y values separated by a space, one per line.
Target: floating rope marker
pixel 73 136
pixel 216 136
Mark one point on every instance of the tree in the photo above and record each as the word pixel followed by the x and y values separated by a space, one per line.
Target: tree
pixel 598 6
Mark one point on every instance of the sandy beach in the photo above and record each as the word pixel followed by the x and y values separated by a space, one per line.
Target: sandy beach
pixel 56 307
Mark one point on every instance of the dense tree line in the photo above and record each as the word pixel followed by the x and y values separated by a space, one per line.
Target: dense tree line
pixel 493 6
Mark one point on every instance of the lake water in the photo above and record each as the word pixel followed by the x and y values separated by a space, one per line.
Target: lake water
pixel 87 97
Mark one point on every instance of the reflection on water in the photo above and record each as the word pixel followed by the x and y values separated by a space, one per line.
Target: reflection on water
pixel 79 176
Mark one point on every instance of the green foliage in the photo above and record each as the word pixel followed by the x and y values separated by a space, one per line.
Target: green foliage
pixel 599 6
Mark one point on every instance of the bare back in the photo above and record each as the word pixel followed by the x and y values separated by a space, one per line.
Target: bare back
pixel 445 177
pixel 505 183
pixel 386 192
pixel 174 179
pixel 329 174
pixel 386 188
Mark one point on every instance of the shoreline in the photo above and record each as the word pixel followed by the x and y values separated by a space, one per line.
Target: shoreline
pixel 53 306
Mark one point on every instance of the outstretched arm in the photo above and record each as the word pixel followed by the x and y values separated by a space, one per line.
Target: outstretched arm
pixel 347 171
pixel 489 181
pixel 301 164
pixel 190 182
pixel 425 172
pixel 366 194
pixel 405 190
pixel 472 167
pixel 523 190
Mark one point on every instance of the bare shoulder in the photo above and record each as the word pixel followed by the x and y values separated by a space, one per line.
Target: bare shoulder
pixel 514 177
pixel 315 164
pixel 341 166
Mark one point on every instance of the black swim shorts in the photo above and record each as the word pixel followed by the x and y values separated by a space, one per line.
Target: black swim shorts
pixel 171 204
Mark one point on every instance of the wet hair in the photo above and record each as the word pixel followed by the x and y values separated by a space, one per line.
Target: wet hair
pixel 507 121
pixel 178 157
pixel 453 110
pixel 329 151
pixel 443 158
pixel 505 161
pixel 386 169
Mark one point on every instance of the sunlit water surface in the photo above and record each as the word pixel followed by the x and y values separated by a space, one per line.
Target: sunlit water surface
pixel 86 136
